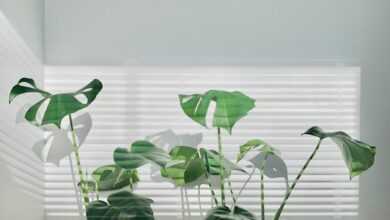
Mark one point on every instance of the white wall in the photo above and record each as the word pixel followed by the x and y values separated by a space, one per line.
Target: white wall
pixel 27 17
pixel 21 173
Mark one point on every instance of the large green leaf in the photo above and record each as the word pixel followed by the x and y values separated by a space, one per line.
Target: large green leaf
pixel 225 213
pixel 123 205
pixel 58 105
pixel 357 155
pixel 113 177
pixel 230 107
pixel 140 153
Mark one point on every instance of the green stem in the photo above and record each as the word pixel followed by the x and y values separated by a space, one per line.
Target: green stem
pixel 290 190
pixel 231 192
pixel 208 180
pixel 84 190
pixel 262 202
pixel 221 167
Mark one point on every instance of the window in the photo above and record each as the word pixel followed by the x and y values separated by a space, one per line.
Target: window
pixel 139 101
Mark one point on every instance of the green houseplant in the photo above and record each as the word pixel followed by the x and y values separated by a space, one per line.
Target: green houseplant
pixel 184 165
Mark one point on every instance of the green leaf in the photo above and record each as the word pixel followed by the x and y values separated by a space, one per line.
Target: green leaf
pixel 230 107
pixel 113 177
pixel 195 171
pixel 181 158
pixel 214 163
pixel 224 213
pixel 25 85
pixel 255 144
pixel 357 155
pixel 140 153
pixel 123 205
pixel 58 105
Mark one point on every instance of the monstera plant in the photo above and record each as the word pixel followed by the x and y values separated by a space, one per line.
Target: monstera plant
pixel 49 114
pixel 183 163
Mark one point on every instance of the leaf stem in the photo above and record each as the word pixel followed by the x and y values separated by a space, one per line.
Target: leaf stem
pixel 208 180
pixel 221 167
pixel 231 192
pixel 290 190
pixel 84 190
pixel 262 202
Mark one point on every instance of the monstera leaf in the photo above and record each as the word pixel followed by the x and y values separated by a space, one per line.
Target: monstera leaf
pixel 255 144
pixel 211 158
pixel 58 105
pixel 230 107
pixel 57 145
pixel 267 159
pixel 181 158
pixel 358 156
pixel 140 153
pixel 168 140
pixel 113 177
pixel 224 213
pixel 123 205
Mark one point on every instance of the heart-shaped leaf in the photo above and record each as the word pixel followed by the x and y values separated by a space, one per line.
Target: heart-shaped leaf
pixel 123 205
pixel 113 177
pixel 140 153
pixel 255 144
pixel 58 105
pixel 357 155
pixel 225 213
pixel 230 107
pixel 58 144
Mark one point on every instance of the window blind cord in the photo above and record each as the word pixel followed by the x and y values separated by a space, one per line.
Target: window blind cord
pixel 84 191
pixel 288 194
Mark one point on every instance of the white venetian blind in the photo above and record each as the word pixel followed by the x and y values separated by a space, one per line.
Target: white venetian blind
pixel 139 101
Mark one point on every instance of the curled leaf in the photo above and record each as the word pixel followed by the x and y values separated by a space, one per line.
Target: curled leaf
pixel 358 156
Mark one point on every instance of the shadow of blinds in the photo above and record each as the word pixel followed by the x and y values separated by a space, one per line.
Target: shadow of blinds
pixel 21 172
pixel 139 101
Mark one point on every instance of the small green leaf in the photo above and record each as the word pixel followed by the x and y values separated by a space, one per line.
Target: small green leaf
pixel 230 107
pixel 141 153
pixel 214 164
pixel 59 105
pixel 123 205
pixel 113 177
pixel 224 213
pixel 195 171
pixel 357 155
pixel 255 144
pixel 181 158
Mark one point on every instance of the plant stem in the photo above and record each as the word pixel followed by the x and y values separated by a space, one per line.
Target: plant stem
pixel 246 182
pixel 290 190
pixel 84 191
pixel 231 192
pixel 221 167
pixel 262 202
pixel 200 202
pixel 208 180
